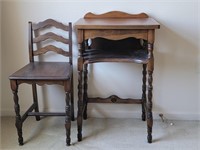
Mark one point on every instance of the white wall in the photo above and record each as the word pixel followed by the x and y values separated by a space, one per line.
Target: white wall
pixel 199 53
pixel 0 59
pixel 176 75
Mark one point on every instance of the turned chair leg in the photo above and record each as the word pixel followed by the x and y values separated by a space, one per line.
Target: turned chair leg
pixel 68 119
pixel 18 119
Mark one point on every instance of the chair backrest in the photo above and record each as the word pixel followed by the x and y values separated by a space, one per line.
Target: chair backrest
pixel 41 42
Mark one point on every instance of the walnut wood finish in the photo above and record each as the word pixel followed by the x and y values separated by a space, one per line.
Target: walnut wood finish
pixel 40 73
pixel 116 37
pixel 115 15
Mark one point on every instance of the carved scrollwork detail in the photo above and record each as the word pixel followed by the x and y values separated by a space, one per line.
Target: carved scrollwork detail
pixel 40 83
pixel 113 98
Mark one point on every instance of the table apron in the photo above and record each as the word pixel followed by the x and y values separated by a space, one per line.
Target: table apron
pixel 116 34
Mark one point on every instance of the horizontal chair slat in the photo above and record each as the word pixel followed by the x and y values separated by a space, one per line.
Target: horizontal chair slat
pixel 51 48
pixel 50 22
pixel 50 35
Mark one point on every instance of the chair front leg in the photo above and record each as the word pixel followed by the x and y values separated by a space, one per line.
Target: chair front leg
pixel 68 115
pixel 18 120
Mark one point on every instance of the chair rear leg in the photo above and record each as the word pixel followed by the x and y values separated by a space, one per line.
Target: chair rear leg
pixel 35 100
pixel 72 99
pixel 18 120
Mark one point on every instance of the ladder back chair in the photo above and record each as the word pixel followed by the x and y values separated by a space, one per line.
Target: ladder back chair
pixel 116 37
pixel 43 38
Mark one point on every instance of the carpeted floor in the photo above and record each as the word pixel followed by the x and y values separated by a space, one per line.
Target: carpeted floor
pixel 101 134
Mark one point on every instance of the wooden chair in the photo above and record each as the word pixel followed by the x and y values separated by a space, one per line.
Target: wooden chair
pixel 43 39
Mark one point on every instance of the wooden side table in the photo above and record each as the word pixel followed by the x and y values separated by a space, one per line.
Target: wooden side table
pixel 116 25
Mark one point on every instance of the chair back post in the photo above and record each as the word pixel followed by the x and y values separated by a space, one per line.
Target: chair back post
pixel 70 44
pixel 30 41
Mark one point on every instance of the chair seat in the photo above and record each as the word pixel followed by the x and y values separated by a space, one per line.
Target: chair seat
pixel 44 71
pixel 129 55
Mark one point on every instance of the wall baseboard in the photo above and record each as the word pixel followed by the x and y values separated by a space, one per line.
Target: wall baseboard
pixel 122 114
pixel 128 114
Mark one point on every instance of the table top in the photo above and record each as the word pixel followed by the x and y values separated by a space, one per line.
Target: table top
pixel 112 23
